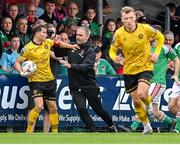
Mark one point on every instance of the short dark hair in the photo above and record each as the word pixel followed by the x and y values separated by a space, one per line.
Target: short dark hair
pixel 13 36
pixel 37 28
pixel 50 1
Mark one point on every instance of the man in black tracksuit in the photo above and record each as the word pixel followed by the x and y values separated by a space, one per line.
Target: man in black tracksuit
pixel 82 80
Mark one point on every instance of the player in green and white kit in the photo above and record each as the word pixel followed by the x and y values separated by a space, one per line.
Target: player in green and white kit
pixel 158 82
pixel 174 100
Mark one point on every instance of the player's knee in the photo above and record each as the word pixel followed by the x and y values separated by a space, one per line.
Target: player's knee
pixel 39 108
pixel 136 102
pixel 142 95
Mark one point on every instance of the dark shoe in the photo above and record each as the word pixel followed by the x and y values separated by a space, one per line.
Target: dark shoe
pixel 113 128
pixel 172 126
pixel 123 128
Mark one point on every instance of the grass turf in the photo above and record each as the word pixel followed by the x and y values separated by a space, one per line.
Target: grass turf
pixel 89 138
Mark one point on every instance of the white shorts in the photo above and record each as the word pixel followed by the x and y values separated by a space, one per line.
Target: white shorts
pixel 156 91
pixel 175 91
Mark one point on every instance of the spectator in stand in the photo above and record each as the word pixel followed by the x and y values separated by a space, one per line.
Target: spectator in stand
pixel 5 33
pixel 39 10
pixel 139 13
pixel 92 3
pixel 62 70
pixel 13 12
pixel 119 23
pixel 101 66
pixel 174 20
pixel 72 14
pixel 30 13
pixel 21 31
pixel 60 11
pixel 90 14
pixel 9 57
pixel 70 30
pixel 108 33
pixel 48 15
pixel 84 22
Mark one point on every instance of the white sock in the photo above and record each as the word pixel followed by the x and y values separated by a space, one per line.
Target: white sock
pixel 146 125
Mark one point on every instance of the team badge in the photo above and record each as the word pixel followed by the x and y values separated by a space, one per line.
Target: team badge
pixel 103 67
pixel 35 92
pixel 46 46
pixel 140 36
pixel 82 52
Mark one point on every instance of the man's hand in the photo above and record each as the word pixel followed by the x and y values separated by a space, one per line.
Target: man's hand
pixel 65 63
pixel 26 74
pixel 76 46
pixel 154 57
pixel 119 59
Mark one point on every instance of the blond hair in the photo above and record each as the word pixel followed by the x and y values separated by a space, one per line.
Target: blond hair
pixel 127 10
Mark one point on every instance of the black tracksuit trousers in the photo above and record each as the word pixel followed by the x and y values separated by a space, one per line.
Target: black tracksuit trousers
pixel 92 95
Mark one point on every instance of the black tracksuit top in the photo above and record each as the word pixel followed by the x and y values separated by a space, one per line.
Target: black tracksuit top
pixel 82 74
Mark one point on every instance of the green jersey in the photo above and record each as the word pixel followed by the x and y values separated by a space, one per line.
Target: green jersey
pixel 177 50
pixel 160 67
pixel 104 68
pixel 94 28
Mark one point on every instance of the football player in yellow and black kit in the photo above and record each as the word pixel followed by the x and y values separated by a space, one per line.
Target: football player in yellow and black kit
pixel 134 40
pixel 42 83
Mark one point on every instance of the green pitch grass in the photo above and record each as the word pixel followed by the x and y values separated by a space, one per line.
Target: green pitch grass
pixel 89 138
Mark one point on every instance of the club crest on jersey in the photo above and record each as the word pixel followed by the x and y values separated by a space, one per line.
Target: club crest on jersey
pixel 46 46
pixel 103 67
pixel 35 92
pixel 82 52
pixel 140 36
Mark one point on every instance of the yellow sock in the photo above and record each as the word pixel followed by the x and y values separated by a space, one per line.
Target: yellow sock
pixel 147 100
pixel 32 119
pixel 141 113
pixel 53 118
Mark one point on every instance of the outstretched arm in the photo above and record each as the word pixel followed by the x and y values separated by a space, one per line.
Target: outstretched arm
pixel 61 44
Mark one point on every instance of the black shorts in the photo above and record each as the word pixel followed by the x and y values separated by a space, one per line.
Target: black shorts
pixel 31 104
pixel 47 90
pixel 131 81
